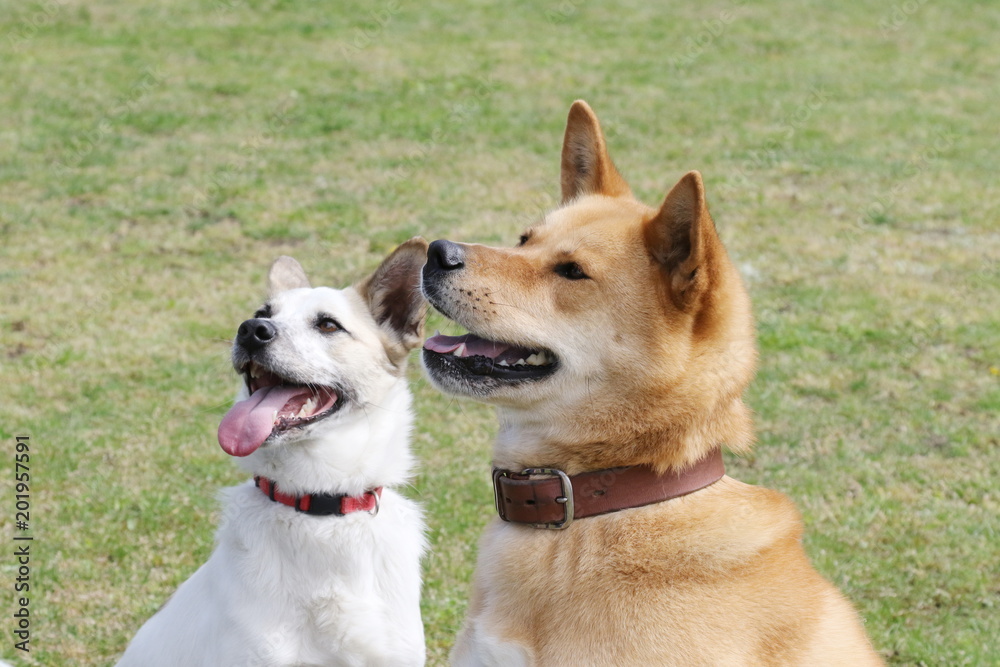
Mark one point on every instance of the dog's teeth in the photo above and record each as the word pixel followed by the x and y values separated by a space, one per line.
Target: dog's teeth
pixel 459 351
pixel 538 359
pixel 519 362
pixel 503 362
pixel 307 408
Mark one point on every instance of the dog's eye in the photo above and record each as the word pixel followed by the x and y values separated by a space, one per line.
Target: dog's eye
pixel 327 325
pixel 571 271
pixel 263 312
pixel 524 239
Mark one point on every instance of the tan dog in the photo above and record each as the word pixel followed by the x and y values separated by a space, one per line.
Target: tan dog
pixel 618 338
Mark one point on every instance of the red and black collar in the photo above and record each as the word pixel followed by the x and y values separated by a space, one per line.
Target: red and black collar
pixel 322 504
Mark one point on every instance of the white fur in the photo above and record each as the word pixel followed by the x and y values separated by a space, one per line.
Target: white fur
pixel 284 588
pixel 477 648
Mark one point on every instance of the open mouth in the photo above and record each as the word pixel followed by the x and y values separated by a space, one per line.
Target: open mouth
pixel 471 355
pixel 275 405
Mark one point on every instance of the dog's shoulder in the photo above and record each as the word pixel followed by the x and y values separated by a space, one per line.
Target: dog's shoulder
pixel 728 525
pixel 724 526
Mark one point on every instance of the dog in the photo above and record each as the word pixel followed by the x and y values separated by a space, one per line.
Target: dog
pixel 615 341
pixel 317 559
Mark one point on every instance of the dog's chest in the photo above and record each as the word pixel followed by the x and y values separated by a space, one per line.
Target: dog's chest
pixel 296 555
pixel 320 584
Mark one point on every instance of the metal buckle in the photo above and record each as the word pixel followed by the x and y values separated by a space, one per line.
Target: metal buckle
pixel 497 474
pixel 566 499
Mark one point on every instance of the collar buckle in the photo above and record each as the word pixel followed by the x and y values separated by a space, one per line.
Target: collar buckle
pixel 550 499
pixel 566 499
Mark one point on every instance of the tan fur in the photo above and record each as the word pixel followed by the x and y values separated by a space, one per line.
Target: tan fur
pixel 655 350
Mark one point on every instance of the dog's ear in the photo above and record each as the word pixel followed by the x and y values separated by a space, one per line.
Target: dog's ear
pixel 586 165
pixel 678 237
pixel 393 293
pixel 286 274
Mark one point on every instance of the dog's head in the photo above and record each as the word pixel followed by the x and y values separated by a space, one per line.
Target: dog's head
pixel 313 355
pixel 612 334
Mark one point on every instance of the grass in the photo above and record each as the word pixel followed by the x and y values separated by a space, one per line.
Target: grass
pixel 156 156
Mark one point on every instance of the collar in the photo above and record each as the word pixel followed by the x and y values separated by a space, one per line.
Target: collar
pixel 322 504
pixel 555 499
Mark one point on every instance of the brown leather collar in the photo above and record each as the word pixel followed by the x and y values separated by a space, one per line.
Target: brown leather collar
pixel 556 499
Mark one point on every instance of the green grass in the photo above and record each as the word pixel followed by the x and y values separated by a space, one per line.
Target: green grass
pixel 156 156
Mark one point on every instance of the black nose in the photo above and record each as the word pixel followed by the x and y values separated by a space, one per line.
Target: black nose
pixel 255 334
pixel 445 256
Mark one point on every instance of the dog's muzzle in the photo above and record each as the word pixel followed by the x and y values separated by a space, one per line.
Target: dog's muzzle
pixel 444 258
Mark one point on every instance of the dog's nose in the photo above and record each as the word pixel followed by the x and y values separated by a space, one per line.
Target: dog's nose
pixel 255 334
pixel 445 256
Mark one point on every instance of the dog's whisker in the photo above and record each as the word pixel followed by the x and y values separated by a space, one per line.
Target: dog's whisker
pixel 506 305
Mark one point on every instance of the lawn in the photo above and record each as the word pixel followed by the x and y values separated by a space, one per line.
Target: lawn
pixel 156 156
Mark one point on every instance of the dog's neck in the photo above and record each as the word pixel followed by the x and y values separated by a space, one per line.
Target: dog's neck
pixel 368 447
pixel 527 439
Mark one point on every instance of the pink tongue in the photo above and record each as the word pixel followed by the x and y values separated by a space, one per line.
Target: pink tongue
pixel 474 345
pixel 248 423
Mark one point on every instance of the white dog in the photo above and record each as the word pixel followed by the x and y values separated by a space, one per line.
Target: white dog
pixel 318 559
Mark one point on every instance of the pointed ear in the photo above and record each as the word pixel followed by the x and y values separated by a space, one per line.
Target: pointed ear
pixel 286 274
pixel 393 294
pixel 678 238
pixel 586 166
